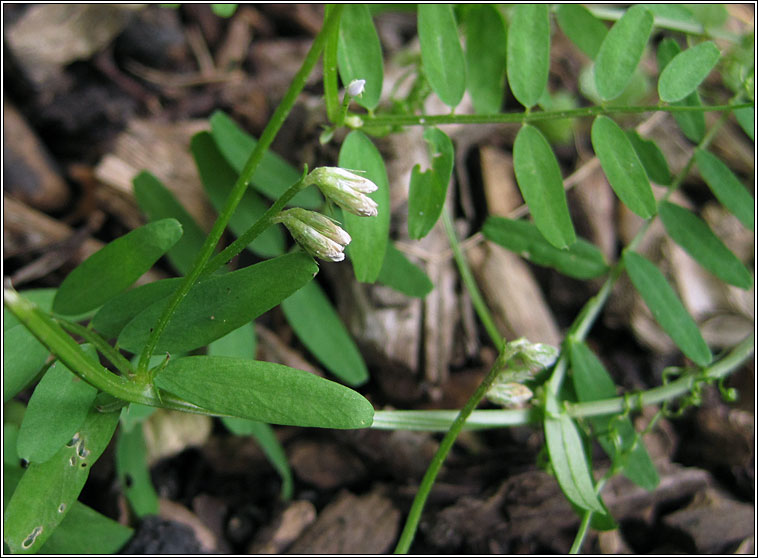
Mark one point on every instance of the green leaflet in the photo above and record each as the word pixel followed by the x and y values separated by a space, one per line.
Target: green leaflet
pixel 113 268
pixel 85 531
pixel 582 259
pixel 692 124
pixel 403 275
pixel 539 179
pixel 651 157
pixel 709 15
pixel 265 391
pixel 240 342
pixel 695 236
pixel 622 167
pixel 428 189
pixel 47 491
pixel 23 354
pixel 584 29
pixel 528 61
pixel 82 531
pixel 218 180
pixel 686 71
pixel 120 310
pixel 592 383
pixel 266 438
pixel 746 118
pixel 273 176
pixel 370 234
pixel 666 308
pixel 441 53
pixel 157 202
pixel 134 474
pixel 220 304
pixel 485 58
pixel 57 408
pixel 621 51
pixel 359 53
pixel 569 462
pixel 726 187
pixel 320 329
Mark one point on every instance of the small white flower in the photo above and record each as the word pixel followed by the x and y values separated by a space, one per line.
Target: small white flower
pixel 348 190
pixel 356 87
pixel 317 234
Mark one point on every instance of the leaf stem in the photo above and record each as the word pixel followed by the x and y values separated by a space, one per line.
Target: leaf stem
pixel 114 357
pixel 331 94
pixel 468 280
pixel 441 420
pixel 525 117
pixel 258 227
pixel 414 515
pixel 267 137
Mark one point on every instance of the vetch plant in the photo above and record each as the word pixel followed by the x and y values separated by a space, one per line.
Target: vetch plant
pixel 159 327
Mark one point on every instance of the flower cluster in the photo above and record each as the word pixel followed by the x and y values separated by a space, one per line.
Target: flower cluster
pixel 348 190
pixel 317 234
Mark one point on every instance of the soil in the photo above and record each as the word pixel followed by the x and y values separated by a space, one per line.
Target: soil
pixel 157 74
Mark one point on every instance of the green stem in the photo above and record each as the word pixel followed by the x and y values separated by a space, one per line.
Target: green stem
pixel 691 28
pixel 331 87
pixel 51 334
pixel 468 280
pixel 267 137
pixel 441 420
pixel 258 227
pixel 414 515
pixel 581 534
pixel 114 357
pixel 524 117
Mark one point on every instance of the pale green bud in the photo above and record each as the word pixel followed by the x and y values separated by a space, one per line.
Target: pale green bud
pixel 317 234
pixel 523 359
pixel 356 87
pixel 348 190
pixel 508 394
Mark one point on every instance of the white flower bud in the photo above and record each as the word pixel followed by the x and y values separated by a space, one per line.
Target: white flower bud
pixel 317 234
pixel 346 189
pixel 508 394
pixel 356 87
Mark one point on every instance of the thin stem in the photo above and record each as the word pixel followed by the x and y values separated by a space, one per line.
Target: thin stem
pixel 267 137
pixel 440 420
pixel 692 28
pixel 331 94
pixel 252 233
pixel 51 334
pixel 114 357
pixel 581 534
pixel 468 280
pixel 414 515
pixel 523 117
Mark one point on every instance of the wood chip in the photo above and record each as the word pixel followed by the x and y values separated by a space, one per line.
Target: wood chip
pixel 161 148
pixel 714 521
pixel 29 173
pixel 288 525
pixel 352 524
pixel 325 464
pixel 49 36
